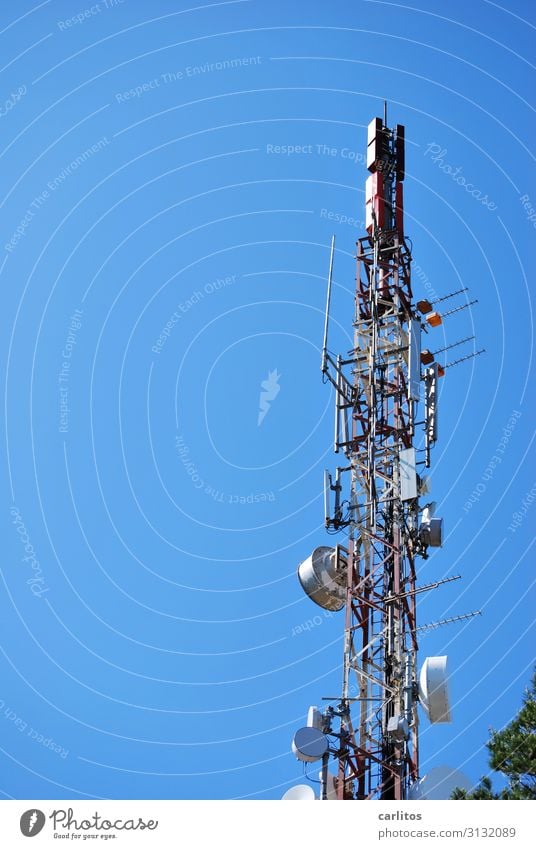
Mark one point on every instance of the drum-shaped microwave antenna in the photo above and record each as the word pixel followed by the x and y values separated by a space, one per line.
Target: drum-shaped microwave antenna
pixel 309 744
pixel 431 528
pixel 433 689
pixel 438 784
pixel 323 578
pixel 300 793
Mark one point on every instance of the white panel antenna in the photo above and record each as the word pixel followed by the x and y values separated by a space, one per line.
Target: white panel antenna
pixel 408 474
pixel 314 718
pixel 414 365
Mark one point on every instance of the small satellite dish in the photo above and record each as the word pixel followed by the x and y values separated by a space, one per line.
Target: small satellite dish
pixel 314 718
pixel 309 744
pixel 300 793
pixel 323 579
pixel 438 784
pixel 433 689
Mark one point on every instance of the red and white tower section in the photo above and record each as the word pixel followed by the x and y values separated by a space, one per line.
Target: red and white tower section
pixel 378 502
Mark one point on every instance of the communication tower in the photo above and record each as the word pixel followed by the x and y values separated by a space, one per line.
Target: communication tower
pixel 386 424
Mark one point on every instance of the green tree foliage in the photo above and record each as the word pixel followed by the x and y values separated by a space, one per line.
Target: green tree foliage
pixel 513 753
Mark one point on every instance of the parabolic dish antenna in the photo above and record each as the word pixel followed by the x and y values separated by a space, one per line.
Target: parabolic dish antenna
pixel 300 793
pixel 433 689
pixel 309 744
pixel 438 784
pixel 321 580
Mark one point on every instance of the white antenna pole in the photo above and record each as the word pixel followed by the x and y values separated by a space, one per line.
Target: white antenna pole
pixel 328 299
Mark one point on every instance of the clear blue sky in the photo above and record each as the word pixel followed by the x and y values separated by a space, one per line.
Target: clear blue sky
pixel 170 180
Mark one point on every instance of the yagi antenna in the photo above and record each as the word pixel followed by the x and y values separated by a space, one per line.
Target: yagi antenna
pixel 433 586
pixel 454 345
pixel 328 299
pixel 463 359
pixel 432 625
pixel 451 295
pixel 435 318
pixel 425 305
pixel 427 356
pixel 460 308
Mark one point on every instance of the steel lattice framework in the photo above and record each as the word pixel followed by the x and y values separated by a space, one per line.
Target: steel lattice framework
pixel 378 754
pixel 380 639
pixel 386 391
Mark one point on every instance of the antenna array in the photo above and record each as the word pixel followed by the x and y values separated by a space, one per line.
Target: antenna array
pixel 378 498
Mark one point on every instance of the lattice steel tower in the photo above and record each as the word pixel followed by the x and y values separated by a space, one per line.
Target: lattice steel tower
pixel 385 425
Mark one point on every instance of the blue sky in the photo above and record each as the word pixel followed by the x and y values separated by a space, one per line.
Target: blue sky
pixel 170 179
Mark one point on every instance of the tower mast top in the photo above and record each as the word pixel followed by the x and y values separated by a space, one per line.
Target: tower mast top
pixel 380 501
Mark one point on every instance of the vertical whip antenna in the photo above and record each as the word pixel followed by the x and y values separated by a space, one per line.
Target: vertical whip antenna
pixel 328 300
